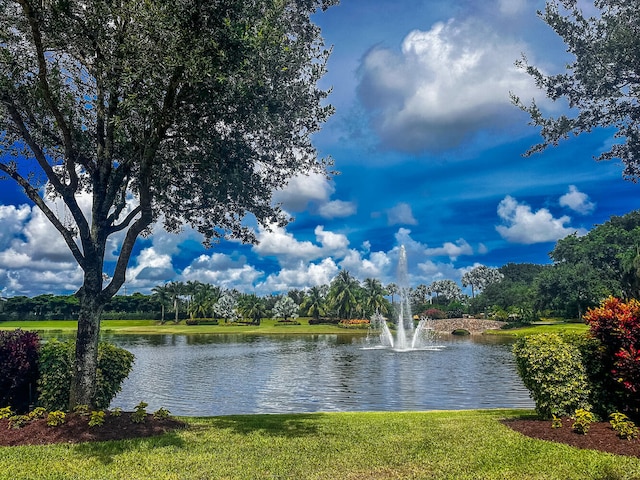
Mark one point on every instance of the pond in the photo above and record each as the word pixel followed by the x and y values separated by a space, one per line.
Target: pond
pixel 243 374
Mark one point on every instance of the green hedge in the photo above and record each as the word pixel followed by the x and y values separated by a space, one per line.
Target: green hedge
pixel 553 371
pixel 56 371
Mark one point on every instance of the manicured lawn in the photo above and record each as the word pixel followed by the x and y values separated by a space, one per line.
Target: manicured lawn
pixel 401 445
pixel 559 327
pixel 267 326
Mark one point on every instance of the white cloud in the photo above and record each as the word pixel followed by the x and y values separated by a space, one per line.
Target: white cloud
pixel 303 189
pixel 332 243
pixel 401 214
pixel 223 270
pixel 577 201
pixel 299 276
pixel 337 209
pixel 151 268
pixel 283 245
pixel 446 84
pixel 522 225
pixel 451 250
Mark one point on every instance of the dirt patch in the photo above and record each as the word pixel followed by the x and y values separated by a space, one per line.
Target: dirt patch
pixel 600 436
pixel 76 429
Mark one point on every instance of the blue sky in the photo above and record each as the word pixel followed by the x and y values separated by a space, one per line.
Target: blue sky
pixel 429 151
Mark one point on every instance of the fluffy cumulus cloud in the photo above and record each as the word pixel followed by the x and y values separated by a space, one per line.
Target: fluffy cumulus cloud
pixel 34 258
pixel 577 201
pixel 522 225
pixel 303 189
pixel 300 276
pixel 453 250
pixel 289 251
pixel 445 85
pixel 223 271
pixel 401 214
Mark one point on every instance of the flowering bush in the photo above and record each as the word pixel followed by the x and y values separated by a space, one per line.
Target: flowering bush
pixel 617 325
pixel 354 323
pixel 18 368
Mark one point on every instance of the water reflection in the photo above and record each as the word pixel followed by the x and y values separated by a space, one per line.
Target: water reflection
pixel 230 374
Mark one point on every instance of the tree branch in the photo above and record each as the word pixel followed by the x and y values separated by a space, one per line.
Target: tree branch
pixel 35 197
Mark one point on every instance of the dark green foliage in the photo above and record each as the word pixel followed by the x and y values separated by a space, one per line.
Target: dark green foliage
pixel 606 395
pixel 56 361
pixel 18 368
pixel 600 83
pixel 553 372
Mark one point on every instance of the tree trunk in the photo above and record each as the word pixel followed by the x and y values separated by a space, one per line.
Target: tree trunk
pixel 83 384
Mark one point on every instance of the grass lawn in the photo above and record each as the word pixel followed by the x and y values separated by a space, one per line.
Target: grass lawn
pixel 559 327
pixel 359 446
pixel 267 326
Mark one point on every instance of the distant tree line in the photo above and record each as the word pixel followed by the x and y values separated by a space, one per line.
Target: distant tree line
pixel 585 270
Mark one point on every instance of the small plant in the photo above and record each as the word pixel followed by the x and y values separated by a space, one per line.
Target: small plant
pixel 161 413
pixel 556 422
pixel 18 421
pixel 56 418
pixel 624 427
pixel 116 412
pixel 5 412
pixel 38 412
pixel 140 414
pixel 97 418
pixel 583 420
pixel 81 410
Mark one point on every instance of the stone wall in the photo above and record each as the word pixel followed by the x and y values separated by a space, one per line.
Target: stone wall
pixel 473 325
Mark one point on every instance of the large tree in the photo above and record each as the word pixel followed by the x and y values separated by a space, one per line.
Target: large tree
pixel 602 82
pixel 188 112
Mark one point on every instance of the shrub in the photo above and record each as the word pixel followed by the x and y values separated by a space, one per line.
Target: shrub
pixel 617 325
pixel 38 412
pixel 161 413
pixel 5 412
pixel 18 421
pixel 582 421
pixel 140 413
pixel 56 370
pixel 624 427
pixel 56 418
pixel 553 372
pixel 434 313
pixel 97 418
pixel 355 324
pixel 18 368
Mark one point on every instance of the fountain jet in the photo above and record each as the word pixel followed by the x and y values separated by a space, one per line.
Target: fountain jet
pixel 407 337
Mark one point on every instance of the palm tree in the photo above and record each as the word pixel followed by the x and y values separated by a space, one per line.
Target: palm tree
pixel 162 296
pixel 253 307
pixel 315 302
pixel 343 294
pixel 392 289
pixel 374 300
pixel 203 299
pixel 176 289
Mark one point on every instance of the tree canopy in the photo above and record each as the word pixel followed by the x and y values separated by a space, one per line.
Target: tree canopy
pixel 186 112
pixel 601 84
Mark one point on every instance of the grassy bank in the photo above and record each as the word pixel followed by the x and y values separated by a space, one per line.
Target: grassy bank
pixel 152 327
pixel 558 327
pixel 401 445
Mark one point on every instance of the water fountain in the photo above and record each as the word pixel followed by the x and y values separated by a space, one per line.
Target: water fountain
pixel 407 337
